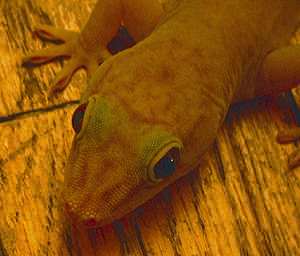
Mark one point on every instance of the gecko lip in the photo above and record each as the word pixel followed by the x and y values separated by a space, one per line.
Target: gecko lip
pixel 91 223
pixel 86 223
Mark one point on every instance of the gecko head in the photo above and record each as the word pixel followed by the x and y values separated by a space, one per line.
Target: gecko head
pixel 116 162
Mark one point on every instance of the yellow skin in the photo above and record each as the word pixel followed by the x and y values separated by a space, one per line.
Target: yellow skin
pixel 171 90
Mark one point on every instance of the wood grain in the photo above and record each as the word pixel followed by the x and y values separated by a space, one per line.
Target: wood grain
pixel 242 201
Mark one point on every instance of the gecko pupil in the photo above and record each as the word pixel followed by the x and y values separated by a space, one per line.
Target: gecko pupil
pixel 166 166
pixel 77 117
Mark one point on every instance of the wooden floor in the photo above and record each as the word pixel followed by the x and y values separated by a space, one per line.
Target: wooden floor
pixel 242 202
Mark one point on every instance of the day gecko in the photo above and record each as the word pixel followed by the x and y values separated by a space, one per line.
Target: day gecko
pixel 151 111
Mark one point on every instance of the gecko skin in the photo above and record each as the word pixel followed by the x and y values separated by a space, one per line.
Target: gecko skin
pixel 151 111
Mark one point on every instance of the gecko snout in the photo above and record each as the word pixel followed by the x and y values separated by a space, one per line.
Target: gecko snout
pixel 74 218
pixel 91 222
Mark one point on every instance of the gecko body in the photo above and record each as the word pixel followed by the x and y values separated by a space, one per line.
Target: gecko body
pixel 151 111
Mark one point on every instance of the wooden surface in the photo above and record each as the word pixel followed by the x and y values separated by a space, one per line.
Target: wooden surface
pixel 243 202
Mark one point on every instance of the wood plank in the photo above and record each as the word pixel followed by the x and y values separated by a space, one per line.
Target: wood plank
pixel 241 201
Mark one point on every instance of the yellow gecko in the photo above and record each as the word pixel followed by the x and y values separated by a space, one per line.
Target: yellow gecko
pixel 150 112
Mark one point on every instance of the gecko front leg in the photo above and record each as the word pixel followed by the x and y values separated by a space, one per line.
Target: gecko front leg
pixel 69 48
pixel 281 72
pixel 88 48
pixel 288 136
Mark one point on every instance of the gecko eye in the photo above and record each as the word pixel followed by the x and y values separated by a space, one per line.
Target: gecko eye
pixel 77 117
pixel 166 166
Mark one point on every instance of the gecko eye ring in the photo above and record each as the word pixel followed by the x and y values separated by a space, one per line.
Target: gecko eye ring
pixel 165 166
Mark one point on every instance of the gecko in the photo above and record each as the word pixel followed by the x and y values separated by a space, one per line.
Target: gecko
pixel 150 112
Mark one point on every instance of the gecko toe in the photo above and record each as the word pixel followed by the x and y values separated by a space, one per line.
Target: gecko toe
pixel 288 136
pixel 51 33
pixel 65 75
pixel 46 55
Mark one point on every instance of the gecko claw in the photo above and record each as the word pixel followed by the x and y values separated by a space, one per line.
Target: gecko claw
pixel 287 136
pixel 64 77
pixel 294 160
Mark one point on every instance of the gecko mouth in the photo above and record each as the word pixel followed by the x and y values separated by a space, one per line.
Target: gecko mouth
pixel 87 223
pixel 89 214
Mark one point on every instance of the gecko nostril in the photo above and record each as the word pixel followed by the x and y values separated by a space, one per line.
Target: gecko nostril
pixel 69 213
pixel 67 209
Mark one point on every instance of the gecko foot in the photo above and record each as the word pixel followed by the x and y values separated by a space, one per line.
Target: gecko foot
pixel 53 34
pixel 287 136
pixel 70 48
